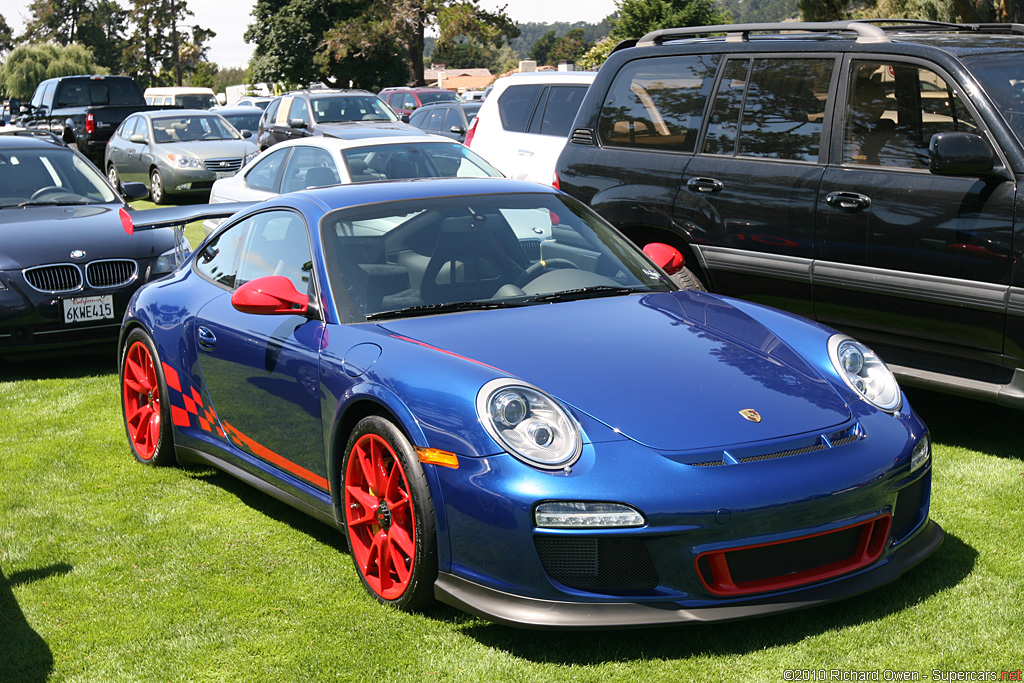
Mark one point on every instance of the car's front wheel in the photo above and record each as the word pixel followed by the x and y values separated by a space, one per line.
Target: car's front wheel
pixel 144 401
pixel 389 515
pixel 156 187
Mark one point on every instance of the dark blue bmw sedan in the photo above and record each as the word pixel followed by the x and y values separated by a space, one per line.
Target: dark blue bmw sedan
pixel 507 407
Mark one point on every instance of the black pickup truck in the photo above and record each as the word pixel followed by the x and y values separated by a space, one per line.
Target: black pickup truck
pixel 84 110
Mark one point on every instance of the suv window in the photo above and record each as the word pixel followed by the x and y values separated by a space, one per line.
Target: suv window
pixel 771 108
pixel 516 105
pixel 558 110
pixel 299 110
pixel 658 103
pixel 270 115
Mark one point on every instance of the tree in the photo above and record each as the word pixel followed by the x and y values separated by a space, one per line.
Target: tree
pixel 638 17
pixel 597 55
pixel 471 33
pixel 161 52
pixel 823 10
pixel 6 36
pixel 100 25
pixel 570 47
pixel 28 65
pixel 539 51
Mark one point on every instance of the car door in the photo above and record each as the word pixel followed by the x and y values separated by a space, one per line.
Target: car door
pixel 133 162
pixel 749 196
pixel 261 372
pixel 902 248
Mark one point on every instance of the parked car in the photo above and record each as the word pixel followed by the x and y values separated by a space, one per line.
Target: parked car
pixel 392 360
pixel 243 118
pixel 473 96
pixel 316 162
pixel 451 119
pixel 67 267
pixel 346 114
pixel 523 124
pixel 404 101
pixel 178 152
pixel 253 101
pixel 183 97
pixel 83 110
pixel 864 174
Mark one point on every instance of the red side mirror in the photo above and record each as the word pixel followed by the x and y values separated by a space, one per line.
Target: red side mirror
pixel 666 257
pixel 271 295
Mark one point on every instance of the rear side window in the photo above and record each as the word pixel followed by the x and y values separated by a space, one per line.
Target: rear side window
pixel 771 108
pixel 263 176
pixel 558 110
pixel 516 105
pixel 658 103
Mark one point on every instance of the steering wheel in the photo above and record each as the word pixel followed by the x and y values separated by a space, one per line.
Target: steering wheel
pixel 43 191
pixel 539 267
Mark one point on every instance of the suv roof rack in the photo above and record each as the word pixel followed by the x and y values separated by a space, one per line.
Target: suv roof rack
pixel 866 30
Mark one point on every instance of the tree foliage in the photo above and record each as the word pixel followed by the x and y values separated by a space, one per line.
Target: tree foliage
pixel 28 65
pixel 6 36
pixel 150 49
pixel 101 25
pixel 638 17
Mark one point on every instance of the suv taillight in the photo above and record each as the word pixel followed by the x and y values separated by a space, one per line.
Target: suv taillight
pixel 90 123
pixel 554 180
pixel 471 131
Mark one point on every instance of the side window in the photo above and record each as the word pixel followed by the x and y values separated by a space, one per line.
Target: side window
pixel 218 261
pixel 309 167
pixel 271 113
pixel 436 121
pixel 408 101
pixel 778 109
pixel 419 119
pixel 893 110
pixel 47 100
pixel 276 245
pixel 263 176
pixel 299 110
pixel 516 105
pixel 559 110
pixel 128 127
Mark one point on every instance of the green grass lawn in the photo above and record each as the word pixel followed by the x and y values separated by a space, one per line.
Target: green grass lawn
pixel 111 571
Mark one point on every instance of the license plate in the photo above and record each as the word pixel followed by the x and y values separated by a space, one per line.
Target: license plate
pixel 82 309
pixel 223 174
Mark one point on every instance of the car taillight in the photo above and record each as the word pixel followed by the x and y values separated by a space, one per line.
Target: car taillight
pixel 554 180
pixel 90 123
pixel 471 131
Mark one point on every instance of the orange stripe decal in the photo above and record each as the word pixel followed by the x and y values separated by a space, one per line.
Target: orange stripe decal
pixel 270 456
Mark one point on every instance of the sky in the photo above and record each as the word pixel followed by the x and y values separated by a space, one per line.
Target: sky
pixel 229 18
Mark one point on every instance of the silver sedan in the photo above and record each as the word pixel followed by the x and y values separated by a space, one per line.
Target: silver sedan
pixel 176 151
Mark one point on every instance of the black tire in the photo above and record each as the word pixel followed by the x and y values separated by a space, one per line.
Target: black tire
pixel 145 404
pixel 113 177
pixel 156 187
pixel 686 279
pixel 399 503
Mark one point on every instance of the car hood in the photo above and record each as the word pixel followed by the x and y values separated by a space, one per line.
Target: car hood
pixel 43 234
pixel 357 130
pixel 671 370
pixel 209 149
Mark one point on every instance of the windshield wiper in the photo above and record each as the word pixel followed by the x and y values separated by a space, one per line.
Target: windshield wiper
pixel 453 307
pixel 74 203
pixel 582 293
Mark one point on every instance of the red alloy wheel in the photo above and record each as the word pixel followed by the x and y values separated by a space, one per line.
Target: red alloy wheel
pixel 141 400
pixel 380 517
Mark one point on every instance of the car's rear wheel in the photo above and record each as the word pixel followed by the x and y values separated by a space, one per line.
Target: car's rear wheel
pixel 144 401
pixel 686 279
pixel 389 515
pixel 112 176
pixel 156 187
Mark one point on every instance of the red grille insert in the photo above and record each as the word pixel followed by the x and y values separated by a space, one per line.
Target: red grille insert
pixel 793 562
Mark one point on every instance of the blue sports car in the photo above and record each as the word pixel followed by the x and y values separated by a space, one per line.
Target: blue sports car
pixel 508 408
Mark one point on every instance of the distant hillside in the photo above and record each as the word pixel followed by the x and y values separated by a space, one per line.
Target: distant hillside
pixel 531 32
pixel 760 11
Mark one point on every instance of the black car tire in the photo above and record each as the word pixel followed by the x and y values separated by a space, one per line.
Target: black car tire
pixel 145 404
pixel 686 279
pixel 398 503
pixel 113 177
pixel 156 187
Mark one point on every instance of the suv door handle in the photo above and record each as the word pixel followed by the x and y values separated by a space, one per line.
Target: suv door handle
pixel 525 153
pixel 705 185
pixel 852 201
pixel 206 339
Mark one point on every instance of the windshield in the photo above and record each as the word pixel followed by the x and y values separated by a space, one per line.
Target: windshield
pixel 50 176
pixel 1001 74
pixel 424 256
pixel 336 108
pixel 198 101
pixel 192 129
pixel 416 160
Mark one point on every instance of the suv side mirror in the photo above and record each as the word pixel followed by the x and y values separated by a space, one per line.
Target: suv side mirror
pixel 296 123
pixel 405 118
pixel 960 153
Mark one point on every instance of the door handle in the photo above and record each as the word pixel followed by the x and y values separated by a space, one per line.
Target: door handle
pixel 525 153
pixel 851 201
pixel 705 185
pixel 206 339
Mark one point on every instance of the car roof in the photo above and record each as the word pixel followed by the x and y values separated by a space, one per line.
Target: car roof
pixel 179 112
pixel 25 139
pixel 256 111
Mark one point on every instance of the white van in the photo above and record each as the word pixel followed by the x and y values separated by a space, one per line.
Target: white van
pixel 187 98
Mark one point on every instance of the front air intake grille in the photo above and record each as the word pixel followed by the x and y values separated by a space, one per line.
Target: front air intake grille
pixel 54 278
pixel 113 273
pixel 223 165
pixel 785 564
pixel 908 508
pixel 582 136
pixel 598 564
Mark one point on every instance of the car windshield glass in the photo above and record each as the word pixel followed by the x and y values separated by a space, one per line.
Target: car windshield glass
pixel 192 129
pixel 1002 78
pixel 50 176
pixel 422 256
pixel 197 101
pixel 416 160
pixel 327 109
pixel 244 121
pixel 440 96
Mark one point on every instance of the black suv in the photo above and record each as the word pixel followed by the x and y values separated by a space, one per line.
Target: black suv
pixel 867 175
pixel 344 114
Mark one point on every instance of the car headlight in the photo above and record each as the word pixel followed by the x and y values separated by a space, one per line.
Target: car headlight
pixel 531 425
pixel 922 451
pixel 249 157
pixel 864 372
pixel 184 161
pixel 169 261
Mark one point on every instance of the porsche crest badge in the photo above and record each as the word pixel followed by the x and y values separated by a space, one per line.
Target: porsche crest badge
pixel 751 414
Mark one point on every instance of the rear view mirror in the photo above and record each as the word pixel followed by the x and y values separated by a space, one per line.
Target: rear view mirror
pixel 270 295
pixel 296 123
pixel 137 138
pixel 960 153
